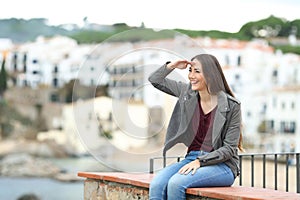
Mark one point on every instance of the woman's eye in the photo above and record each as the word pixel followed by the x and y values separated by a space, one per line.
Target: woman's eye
pixel 190 69
pixel 198 71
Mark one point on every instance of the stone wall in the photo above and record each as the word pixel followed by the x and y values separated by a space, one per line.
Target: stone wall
pixel 107 190
pixel 132 186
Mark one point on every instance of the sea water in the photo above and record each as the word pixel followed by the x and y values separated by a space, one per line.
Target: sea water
pixel 11 188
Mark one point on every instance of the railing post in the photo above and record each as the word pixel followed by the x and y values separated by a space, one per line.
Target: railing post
pixel 151 166
pixel 241 160
pixel 252 170
pixel 275 170
pixel 298 172
pixel 264 170
pixel 287 173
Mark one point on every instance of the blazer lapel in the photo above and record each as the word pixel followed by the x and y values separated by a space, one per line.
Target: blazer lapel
pixel 190 104
pixel 220 116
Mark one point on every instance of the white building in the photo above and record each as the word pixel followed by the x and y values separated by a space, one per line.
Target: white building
pixel 5 45
pixel 281 107
pixel 266 82
pixel 53 62
pixel 282 120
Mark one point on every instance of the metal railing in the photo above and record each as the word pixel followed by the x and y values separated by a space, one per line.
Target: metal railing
pixel 263 168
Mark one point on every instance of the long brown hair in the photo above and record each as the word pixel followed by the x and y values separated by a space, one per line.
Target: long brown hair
pixel 215 79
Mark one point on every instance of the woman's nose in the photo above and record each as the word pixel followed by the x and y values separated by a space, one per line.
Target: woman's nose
pixel 191 74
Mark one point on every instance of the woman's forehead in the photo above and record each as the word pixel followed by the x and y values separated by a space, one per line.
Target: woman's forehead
pixel 195 61
pixel 196 64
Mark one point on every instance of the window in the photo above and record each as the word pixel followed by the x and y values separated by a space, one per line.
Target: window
pixel 55 69
pixel 292 127
pixel 55 82
pixel 239 61
pixel 275 76
pixel 292 105
pixel 15 61
pixel 248 114
pixel 226 59
pixel 54 97
pixel 283 105
pixel 237 77
pixel 264 108
pixel 287 127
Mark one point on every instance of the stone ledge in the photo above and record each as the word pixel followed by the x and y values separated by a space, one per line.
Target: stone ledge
pixel 242 193
pixel 135 179
pixel 135 186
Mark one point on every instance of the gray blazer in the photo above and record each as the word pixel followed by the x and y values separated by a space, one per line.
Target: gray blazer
pixel 226 126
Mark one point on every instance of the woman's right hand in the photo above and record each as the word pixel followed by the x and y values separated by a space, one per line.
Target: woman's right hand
pixel 179 64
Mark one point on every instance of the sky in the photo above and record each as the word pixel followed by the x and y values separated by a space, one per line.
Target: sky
pixel 221 15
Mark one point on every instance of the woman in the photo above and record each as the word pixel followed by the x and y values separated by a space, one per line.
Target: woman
pixel 207 119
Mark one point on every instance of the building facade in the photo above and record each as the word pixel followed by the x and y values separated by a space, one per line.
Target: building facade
pixel 264 80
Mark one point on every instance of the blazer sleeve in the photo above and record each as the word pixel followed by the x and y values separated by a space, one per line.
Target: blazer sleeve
pixel 158 80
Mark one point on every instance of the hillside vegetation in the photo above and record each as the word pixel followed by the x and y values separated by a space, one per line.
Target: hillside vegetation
pixel 20 30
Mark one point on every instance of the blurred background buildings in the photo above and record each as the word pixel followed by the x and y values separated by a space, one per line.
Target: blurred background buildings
pixel 266 81
pixel 76 104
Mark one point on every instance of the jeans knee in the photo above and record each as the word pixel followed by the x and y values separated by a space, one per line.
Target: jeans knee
pixel 156 185
pixel 175 184
pixel 176 190
pixel 158 182
pixel 157 190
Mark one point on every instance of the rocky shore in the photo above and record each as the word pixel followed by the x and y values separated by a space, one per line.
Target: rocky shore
pixel 31 159
pixel 45 149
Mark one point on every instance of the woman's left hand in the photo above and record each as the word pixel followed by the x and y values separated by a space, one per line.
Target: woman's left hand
pixel 192 166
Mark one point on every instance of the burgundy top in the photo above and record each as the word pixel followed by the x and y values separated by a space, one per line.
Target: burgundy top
pixel 203 137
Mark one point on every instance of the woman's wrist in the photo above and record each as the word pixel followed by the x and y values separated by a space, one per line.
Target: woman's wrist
pixel 199 160
pixel 169 65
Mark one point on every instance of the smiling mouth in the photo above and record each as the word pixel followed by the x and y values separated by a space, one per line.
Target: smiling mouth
pixel 194 82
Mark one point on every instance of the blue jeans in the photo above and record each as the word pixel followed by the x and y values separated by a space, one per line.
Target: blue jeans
pixel 168 184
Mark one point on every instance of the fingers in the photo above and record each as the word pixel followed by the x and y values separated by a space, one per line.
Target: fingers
pixel 190 167
pixel 194 171
pixel 182 64
pixel 182 170
pixel 186 62
pixel 185 170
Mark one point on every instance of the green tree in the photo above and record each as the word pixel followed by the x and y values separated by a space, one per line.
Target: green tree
pixel 296 26
pixel 3 78
pixel 269 27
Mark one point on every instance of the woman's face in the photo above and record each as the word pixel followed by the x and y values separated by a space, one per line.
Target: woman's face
pixel 196 77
